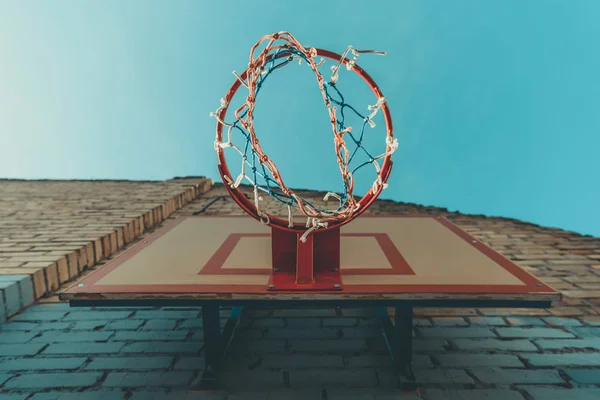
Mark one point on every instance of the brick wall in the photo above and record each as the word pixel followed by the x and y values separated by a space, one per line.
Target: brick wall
pixel 51 231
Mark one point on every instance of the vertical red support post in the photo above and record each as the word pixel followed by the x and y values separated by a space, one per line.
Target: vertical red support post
pixel 310 265
pixel 305 260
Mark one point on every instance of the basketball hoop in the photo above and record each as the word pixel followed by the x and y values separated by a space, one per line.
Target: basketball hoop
pixel 252 78
pixel 292 242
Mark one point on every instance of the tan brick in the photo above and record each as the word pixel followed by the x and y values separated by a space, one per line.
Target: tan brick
pixel 516 311
pixel 73 261
pixel 89 251
pixel 567 311
pixel 590 319
pixel 13 247
pixel 106 249
pixel 582 294
pixel 434 312
pixel 63 270
pixel 113 242
pixel 10 264
pixel 126 234
pixel 32 258
pixel 120 239
pixel 148 220
pixel 98 252
pixel 83 261
pixel 51 275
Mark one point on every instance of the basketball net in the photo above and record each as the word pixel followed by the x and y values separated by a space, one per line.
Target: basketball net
pixel 279 50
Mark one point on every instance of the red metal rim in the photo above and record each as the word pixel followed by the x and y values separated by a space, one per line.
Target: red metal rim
pixel 364 203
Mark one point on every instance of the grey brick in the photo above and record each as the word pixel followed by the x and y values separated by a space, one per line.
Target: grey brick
pixel 3 314
pixel 296 361
pixel 26 295
pixel 474 394
pixel 178 395
pixel 290 333
pixel 130 363
pixel 429 345
pixel 302 323
pixel 33 364
pixel 9 337
pixel 506 376
pixel 88 395
pixel 4 378
pixel 362 332
pixel 237 362
pixel 13 396
pixel 53 380
pixel 255 379
pixel 449 321
pixel 148 379
pixel 438 376
pixel 71 337
pixel 556 393
pixel 163 347
pixel 50 308
pixel 116 325
pixel 190 363
pixel 291 394
pixel 158 324
pixel 28 349
pixel 97 315
pixel 525 321
pixel 328 346
pixel 495 344
pixel 359 312
pixel 305 313
pixel 345 378
pixel 248 396
pixel 189 324
pixel 479 360
pixel 10 292
pixel 422 322
pixel 584 376
pixel 268 323
pixel 83 348
pixel 164 314
pixel 549 360
pixel 341 322
pixel 561 321
pixel 150 335
pixel 39 316
pixel 264 346
pixel 20 326
pixel 368 394
pixel 34 326
pixel 487 321
pixel 586 331
pixel 369 360
pixel 533 333
pixel 448 333
pixel 557 344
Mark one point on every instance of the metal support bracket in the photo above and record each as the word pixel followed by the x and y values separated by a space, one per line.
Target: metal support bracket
pixel 398 336
pixel 216 341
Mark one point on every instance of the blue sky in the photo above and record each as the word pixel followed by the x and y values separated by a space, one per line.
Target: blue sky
pixel 495 103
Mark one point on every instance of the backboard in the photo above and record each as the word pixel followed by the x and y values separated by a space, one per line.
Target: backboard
pixel 391 257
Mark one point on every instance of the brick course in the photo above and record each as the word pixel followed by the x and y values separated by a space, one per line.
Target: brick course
pixel 52 231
